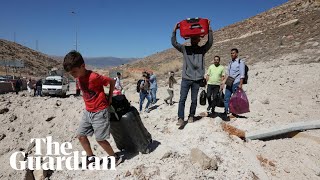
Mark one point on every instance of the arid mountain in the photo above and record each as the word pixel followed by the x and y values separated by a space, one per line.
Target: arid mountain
pixel 36 63
pixel 290 28
pixel 103 62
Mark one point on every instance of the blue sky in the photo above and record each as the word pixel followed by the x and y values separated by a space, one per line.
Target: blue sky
pixel 119 28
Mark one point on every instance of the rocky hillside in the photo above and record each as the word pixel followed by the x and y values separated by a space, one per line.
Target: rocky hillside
pixel 102 62
pixel 36 63
pixel 290 28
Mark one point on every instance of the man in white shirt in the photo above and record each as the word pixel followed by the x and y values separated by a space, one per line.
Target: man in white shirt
pixel 118 82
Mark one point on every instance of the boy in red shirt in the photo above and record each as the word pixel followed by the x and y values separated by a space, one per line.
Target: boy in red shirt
pixel 96 116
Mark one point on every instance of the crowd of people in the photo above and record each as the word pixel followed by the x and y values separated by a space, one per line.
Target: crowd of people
pixel 36 86
pixel 216 77
pixel 96 116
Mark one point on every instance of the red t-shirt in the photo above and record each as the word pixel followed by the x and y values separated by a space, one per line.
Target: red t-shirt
pixel 93 94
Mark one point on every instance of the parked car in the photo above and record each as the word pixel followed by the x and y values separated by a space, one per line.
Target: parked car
pixel 2 79
pixel 55 85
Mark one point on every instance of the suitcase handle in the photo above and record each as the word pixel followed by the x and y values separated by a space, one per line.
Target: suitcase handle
pixel 193 20
pixel 194 26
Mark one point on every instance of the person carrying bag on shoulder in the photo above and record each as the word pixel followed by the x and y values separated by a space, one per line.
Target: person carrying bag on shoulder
pixel 234 79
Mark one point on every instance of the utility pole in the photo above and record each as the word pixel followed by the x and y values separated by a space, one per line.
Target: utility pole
pixel 37 45
pixel 14 37
pixel 75 27
pixel 6 67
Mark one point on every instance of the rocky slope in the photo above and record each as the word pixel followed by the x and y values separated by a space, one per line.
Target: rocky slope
pixel 36 63
pixel 279 93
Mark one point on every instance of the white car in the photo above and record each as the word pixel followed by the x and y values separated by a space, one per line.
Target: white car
pixel 55 85
pixel 2 79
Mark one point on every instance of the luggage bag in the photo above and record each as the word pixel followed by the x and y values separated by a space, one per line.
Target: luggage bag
pixel 192 27
pixel 128 131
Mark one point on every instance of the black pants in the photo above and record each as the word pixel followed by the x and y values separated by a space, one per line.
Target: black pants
pixel 17 90
pixel 212 92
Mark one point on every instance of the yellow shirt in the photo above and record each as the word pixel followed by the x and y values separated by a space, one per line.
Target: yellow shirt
pixel 215 74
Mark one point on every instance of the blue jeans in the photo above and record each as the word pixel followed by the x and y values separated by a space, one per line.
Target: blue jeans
pixel 153 93
pixel 142 97
pixel 184 90
pixel 227 96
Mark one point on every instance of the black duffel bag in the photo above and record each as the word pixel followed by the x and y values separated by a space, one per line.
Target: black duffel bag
pixel 220 99
pixel 121 106
pixel 203 98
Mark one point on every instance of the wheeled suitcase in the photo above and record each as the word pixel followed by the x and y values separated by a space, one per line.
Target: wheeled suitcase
pixel 128 130
pixel 192 27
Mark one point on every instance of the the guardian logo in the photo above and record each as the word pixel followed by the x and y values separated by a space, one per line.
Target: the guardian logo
pixel 62 158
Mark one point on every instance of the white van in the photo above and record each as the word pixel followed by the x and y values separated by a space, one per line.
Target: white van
pixel 55 85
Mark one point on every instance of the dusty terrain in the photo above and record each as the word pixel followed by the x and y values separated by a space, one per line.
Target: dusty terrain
pixel 280 92
pixel 281 47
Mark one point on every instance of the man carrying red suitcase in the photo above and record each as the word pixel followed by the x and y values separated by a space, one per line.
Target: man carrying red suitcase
pixel 193 70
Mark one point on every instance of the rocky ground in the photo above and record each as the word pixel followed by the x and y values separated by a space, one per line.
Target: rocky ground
pixel 280 92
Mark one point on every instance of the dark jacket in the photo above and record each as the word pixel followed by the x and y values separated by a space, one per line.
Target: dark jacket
pixel 39 83
pixel 172 81
pixel 18 83
pixel 144 87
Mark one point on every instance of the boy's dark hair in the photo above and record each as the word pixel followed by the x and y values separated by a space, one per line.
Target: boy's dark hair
pixel 71 60
pixel 147 76
pixel 235 49
pixel 118 73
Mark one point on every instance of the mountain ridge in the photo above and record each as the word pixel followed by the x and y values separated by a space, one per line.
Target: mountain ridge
pixel 102 62
pixel 289 28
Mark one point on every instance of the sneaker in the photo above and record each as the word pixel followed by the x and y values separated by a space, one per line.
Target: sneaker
pixel 180 122
pixel 190 119
pixel 118 159
pixel 231 115
pixel 166 101
pixel 90 159
pixel 213 111
pixel 147 110
pixel 208 109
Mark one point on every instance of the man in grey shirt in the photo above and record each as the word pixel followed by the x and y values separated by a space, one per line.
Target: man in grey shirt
pixel 153 87
pixel 193 70
pixel 236 69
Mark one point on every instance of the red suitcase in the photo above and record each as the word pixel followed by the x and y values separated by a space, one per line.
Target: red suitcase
pixel 192 27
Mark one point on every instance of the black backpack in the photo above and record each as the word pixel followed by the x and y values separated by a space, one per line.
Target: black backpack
pixel 246 69
pixel 138 85
pixel 121 105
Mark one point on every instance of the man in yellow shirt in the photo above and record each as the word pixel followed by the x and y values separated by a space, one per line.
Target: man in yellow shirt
pixel 214 77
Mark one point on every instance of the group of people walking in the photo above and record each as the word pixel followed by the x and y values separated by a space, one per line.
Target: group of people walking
pixel 193 72
pixel 96 118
